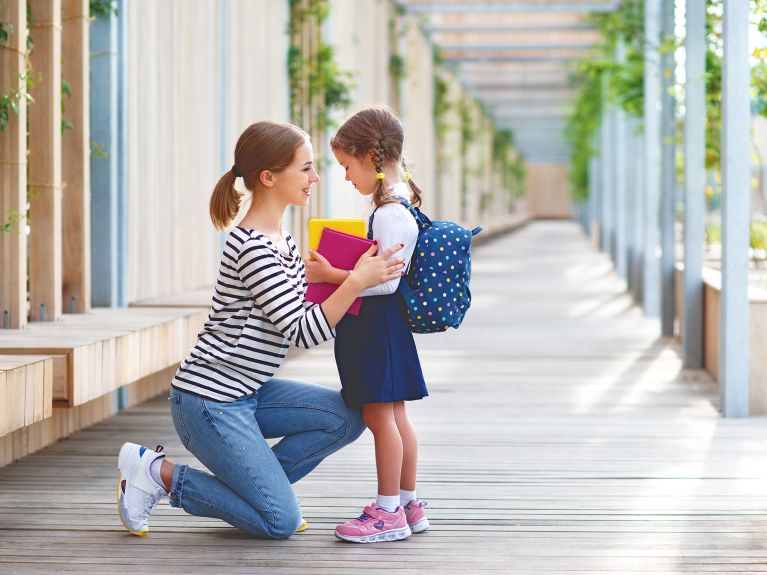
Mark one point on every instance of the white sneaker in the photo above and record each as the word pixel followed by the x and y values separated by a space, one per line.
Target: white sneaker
pixel 137 493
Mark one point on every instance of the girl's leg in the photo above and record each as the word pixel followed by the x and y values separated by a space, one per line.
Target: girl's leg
pixel 409 447
pixel 248 488
pixel 379 417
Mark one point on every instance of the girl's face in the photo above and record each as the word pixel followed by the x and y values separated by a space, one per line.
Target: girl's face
pixel 359 171
pixel 293 184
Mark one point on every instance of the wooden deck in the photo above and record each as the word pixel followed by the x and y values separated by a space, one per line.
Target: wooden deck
pixel 561 435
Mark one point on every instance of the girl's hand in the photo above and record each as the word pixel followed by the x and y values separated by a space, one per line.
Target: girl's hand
pixel 318 268
pixel 372 269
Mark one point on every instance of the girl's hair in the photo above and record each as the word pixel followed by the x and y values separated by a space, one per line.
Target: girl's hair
pixel 376 131
pixel 262 146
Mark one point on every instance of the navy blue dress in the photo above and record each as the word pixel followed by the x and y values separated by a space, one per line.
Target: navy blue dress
pixel 376 356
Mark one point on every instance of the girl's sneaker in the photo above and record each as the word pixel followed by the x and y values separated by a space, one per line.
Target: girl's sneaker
pixel 374 525
pixel 137 493
pixel 416 516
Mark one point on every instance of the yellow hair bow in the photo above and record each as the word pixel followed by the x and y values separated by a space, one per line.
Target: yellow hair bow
pixel 380 176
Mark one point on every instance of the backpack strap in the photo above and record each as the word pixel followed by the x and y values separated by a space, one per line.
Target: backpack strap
pixel 420 218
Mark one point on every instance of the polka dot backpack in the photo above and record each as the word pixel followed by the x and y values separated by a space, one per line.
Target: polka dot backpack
pixel 436 287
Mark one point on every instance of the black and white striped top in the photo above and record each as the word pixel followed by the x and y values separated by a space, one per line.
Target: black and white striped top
pixel 258 310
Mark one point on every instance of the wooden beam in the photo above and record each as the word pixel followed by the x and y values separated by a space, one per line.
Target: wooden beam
pixel 13 172
pixel 45 162
pixel 76 268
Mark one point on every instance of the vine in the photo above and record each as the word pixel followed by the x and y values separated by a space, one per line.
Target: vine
pixel 314 75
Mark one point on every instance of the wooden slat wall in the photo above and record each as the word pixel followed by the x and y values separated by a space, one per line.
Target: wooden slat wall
pixel 417 111
pixel 45 161
pixel 450 167
pixel 362 46
pixel 13 173
pixel 173 146
pixel 76 213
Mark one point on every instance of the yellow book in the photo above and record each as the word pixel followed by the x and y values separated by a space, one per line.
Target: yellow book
pixel 351 227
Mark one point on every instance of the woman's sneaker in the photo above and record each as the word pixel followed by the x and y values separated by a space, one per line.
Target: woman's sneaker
pixel 137 493
pixel 374 525
pixel 416 516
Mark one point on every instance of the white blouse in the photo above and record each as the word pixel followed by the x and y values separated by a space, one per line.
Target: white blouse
pixel 393 224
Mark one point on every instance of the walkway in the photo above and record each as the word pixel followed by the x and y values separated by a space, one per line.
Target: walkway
pixel 561 436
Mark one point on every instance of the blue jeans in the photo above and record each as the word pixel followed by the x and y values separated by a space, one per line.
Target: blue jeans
pixel 250 486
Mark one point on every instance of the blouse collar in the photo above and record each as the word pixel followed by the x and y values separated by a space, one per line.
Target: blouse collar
pixel 400 189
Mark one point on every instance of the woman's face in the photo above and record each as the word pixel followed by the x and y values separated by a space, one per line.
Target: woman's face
pixel 293 184
pixel 359 171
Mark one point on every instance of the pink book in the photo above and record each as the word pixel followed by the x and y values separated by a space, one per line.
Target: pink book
pixel 342 251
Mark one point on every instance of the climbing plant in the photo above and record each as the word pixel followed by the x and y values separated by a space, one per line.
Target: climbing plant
pixel 316 81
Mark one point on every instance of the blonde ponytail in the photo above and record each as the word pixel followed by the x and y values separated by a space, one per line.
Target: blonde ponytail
pixel 224 201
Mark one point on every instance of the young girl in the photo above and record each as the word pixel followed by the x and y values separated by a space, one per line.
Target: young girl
pixel 376 356
pixel 225 400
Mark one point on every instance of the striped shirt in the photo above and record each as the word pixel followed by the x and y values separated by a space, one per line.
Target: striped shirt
pixel 258 310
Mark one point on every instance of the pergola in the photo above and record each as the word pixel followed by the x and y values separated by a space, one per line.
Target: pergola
pixel 515 56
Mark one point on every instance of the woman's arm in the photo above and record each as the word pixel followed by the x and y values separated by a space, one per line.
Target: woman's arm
pixel 370 270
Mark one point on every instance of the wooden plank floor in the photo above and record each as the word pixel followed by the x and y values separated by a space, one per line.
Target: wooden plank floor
pixel 561 436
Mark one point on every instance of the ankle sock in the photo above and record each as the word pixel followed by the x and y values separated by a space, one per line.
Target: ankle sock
pixel 154 471
pixel 387 502
pixel 406 497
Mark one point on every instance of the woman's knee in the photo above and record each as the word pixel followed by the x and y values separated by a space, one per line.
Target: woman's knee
pixel 286 518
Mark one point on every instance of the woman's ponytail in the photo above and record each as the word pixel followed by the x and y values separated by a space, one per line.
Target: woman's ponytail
pixel 225 201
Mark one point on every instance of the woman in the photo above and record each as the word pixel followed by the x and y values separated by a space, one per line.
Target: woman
pixel 225 400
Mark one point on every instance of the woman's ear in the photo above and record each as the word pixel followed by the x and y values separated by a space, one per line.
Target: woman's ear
pixel 266 178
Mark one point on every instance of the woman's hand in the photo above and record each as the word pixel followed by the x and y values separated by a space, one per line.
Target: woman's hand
pixel 372 269
pixel 318 268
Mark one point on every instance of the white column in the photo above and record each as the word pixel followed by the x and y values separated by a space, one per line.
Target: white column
pixel 694 181
pixel 733 368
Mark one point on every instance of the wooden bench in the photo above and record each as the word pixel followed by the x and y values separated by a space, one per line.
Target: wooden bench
pixel 93 354
pixel 26 387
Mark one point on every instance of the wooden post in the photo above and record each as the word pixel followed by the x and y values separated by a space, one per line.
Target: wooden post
pixel 13 171
pixel 76 159
pixel 45 162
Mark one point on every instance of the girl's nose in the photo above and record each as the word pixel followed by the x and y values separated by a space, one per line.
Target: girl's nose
pixel 347 178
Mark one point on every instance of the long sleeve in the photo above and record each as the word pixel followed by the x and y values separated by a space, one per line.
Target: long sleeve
pixel 277 298
pixel 393 224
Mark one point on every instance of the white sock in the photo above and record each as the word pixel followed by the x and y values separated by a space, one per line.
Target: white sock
pixel 406 497
pixel 387 502
pixel 154 471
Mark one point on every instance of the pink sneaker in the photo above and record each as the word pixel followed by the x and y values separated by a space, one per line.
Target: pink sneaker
pixel 416 516
pixel 375 524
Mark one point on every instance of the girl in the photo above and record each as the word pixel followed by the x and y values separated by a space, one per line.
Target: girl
pixel 224 399
pixel 375 352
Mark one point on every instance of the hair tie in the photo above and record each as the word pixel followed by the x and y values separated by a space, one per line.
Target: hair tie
pixel 408 177
pixel 235 171
pixel 380 176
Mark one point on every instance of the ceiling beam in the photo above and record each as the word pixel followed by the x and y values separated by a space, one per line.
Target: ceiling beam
pixel 509 7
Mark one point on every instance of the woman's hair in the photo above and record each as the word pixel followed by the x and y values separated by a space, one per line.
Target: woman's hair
pixel 376 131
pixel 262 146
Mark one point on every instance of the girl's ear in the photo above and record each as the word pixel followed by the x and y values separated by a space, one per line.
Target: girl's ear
pixel 266 178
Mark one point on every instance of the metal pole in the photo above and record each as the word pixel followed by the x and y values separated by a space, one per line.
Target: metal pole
pixel 651 270
pixel 694 182
pixel 668 174
pixel 734 339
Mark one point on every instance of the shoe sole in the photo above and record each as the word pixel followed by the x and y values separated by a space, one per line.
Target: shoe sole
pixel 383 537
pixel 119 492
pixel 420 526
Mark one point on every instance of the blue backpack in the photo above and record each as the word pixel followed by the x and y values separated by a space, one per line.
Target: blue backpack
pixel 436 287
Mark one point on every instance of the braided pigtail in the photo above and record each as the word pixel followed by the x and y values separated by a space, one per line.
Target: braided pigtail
pixel 415 191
